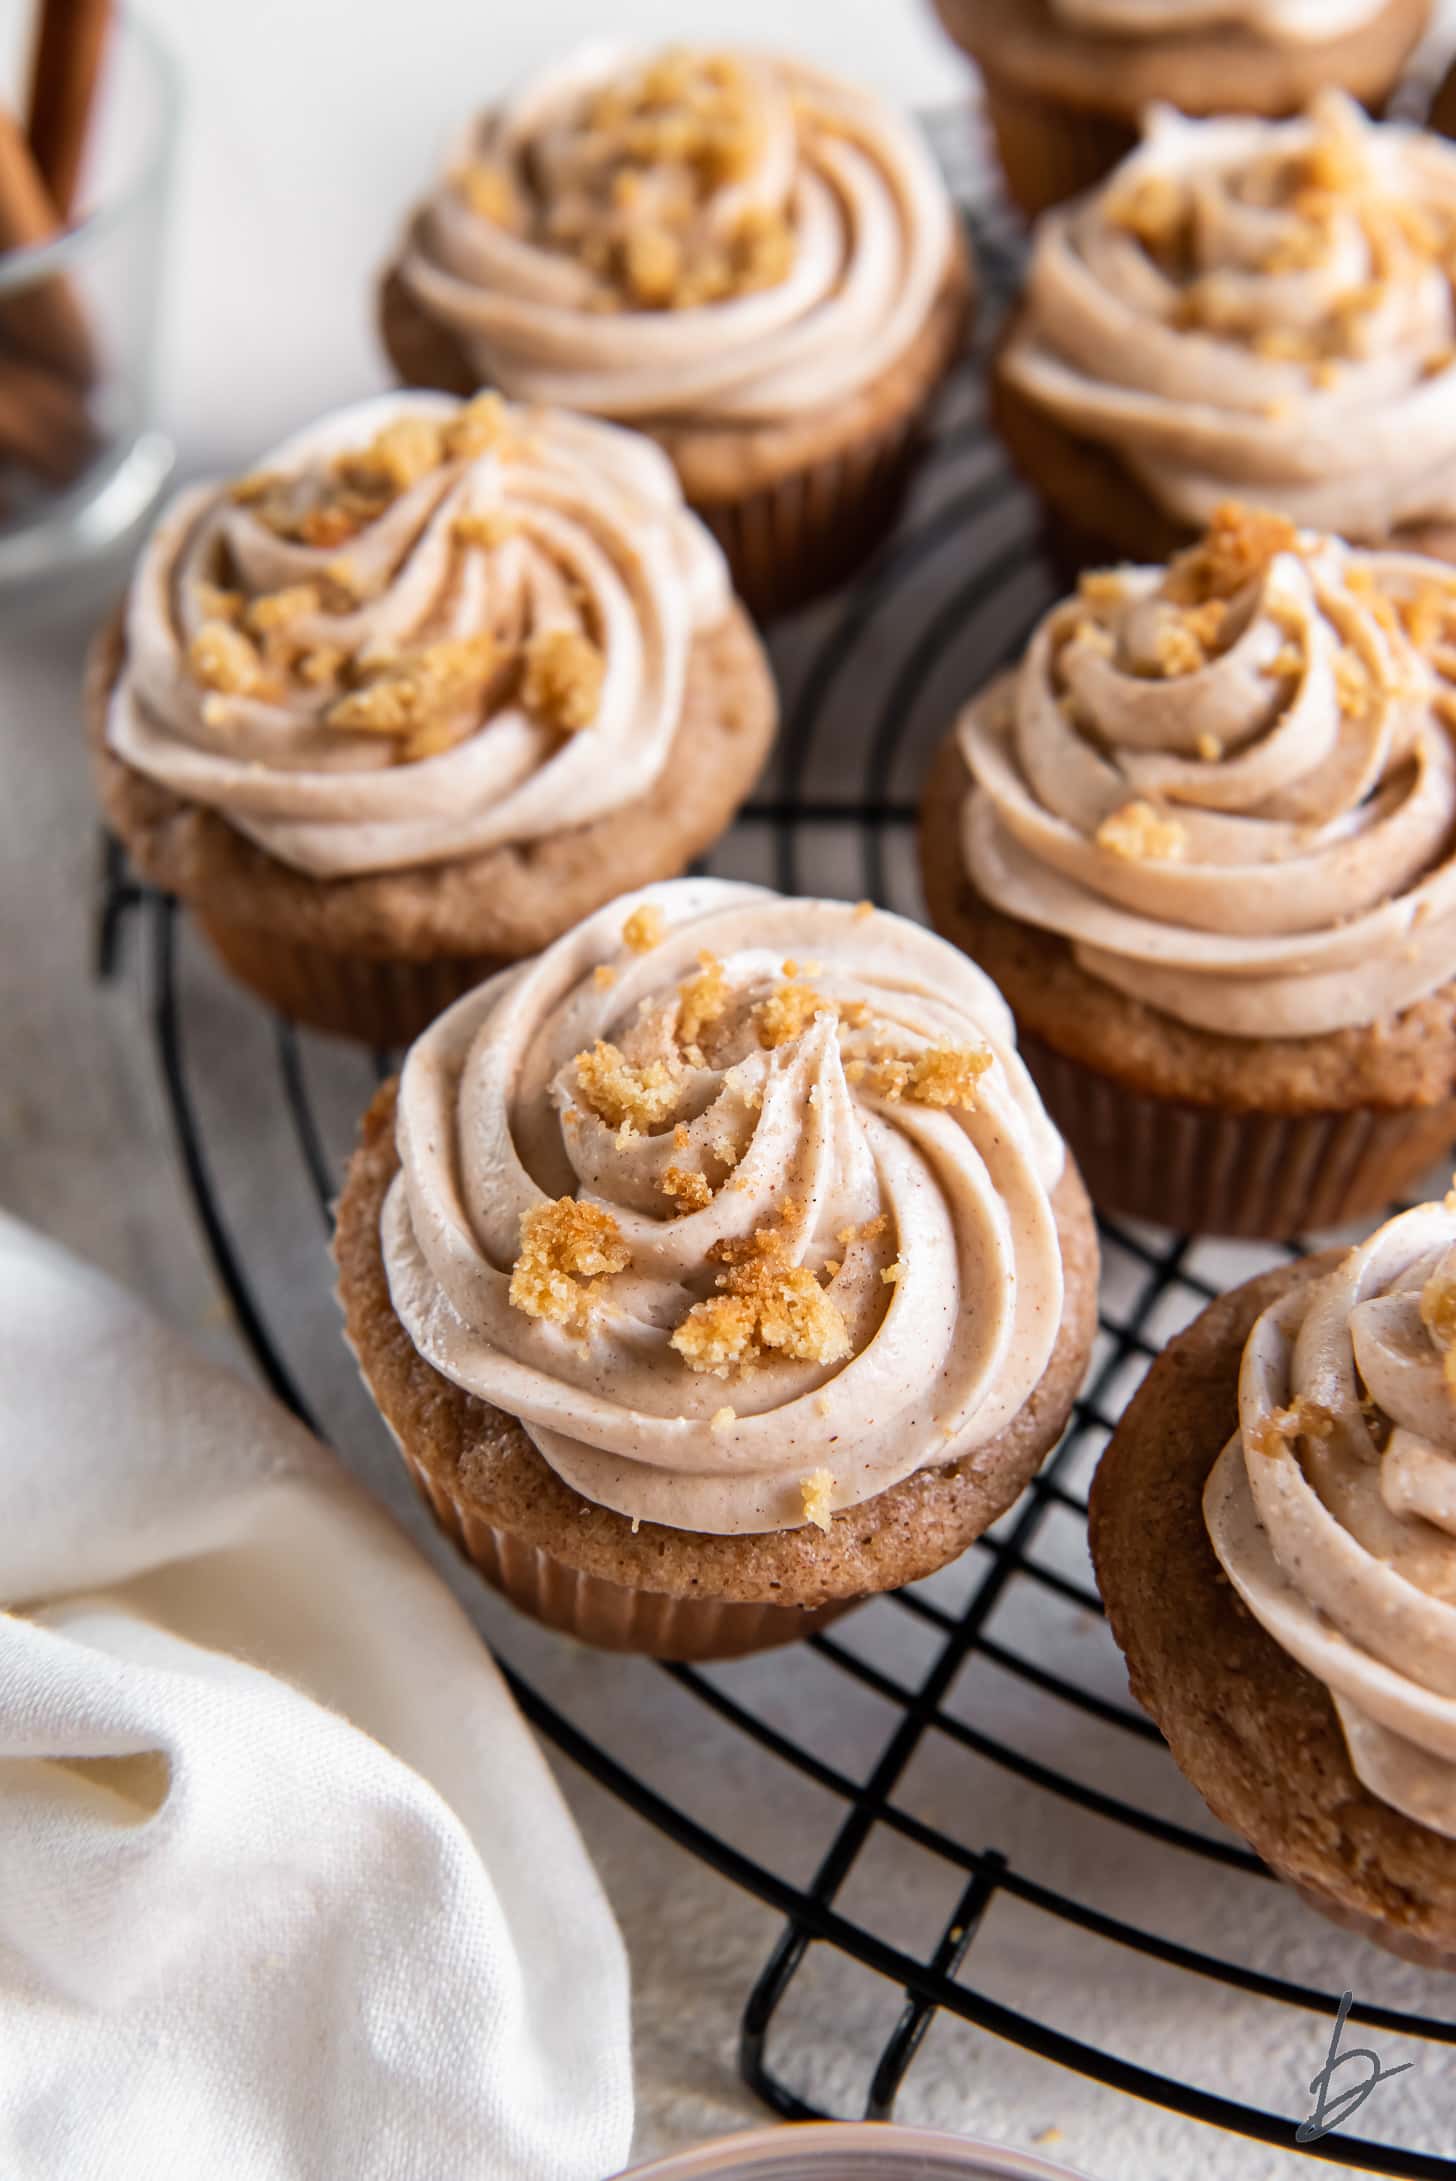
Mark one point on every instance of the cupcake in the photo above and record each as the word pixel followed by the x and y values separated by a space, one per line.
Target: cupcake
pixel 1204 838
pixel 405 704
pixel 1250 309
pixel 1442 117
pixel 1066 81
pixel 719 1268
pixel 751 261
pixel 1273 1535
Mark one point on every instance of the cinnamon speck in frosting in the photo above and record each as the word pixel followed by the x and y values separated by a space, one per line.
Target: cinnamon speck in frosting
pixel 644 929
pixel 566 1248
pixel 1140 835
pixel 817 1492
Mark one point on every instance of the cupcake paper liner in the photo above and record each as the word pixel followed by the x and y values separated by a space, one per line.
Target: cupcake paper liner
pixel 1049 151
pixel 613 1616
pixel 1201 1170
pixel 381 1002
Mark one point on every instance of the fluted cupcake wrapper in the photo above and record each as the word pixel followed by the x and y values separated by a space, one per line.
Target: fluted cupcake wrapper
pixel 1049 151
pixel 613 1616
pixel 1202 1170
pixel 380 1001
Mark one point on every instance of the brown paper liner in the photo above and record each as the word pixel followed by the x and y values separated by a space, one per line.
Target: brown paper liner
pixel 613 1616
pixel 381 1002
pixel 1201 1170
pixel 1050 151
pixel 807 533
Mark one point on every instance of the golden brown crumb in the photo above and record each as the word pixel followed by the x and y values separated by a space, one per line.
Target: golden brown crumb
pixel 1156 209
pixel 650 267
pixel 562 685
pixel 398 456
pixel 818 1495
pixel 222 658
pixel 863 910
pixel 942 1075
pixel 428 697
pixel 788 1012
pixel 1238 546
pixel 1352 683
pixel 644 929
pixel 624 1095
pixel 320 666
pixel 689 1190
pixel 723 1419
pixel 1102 587
pixel 1438 1315
pixel 485 527
pixel 1286 662
pixel 1093 637
pixel 1282 1428
pixel 1210 749
pixel 603 976
pixel 216 603
pixel 767 1305
pixel 479 426
pixel 1427 617
pixel 892 1275
pixel 489 190
pixel 566 1248
pixel 1139 834
pixel 276 609
pixel 701 1001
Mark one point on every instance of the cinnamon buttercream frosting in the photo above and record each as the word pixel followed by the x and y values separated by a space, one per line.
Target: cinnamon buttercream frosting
pixel 720 238
pixel 1292 22
pixel 1230 783
pixel 1262 309
pixel 741 1204
pixel 423 629
pixel 1333 1507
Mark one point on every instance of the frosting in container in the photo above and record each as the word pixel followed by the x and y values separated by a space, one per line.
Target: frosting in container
pixel 1291 22
pixel 741 1204
pixel 425 629
pixel 1263 309
pixel 1231 784
pixel 730 239
pixel 1333 1507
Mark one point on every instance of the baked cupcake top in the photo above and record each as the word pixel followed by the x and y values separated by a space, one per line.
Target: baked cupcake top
pixel 710 237
pixel 422 629
pixel 1230 783
pixel 1259 308
pixel 1295 22
pixel 741 1204
pixel 1333 1507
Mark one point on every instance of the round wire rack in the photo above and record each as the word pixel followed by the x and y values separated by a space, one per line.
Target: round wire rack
pixel 1002 1751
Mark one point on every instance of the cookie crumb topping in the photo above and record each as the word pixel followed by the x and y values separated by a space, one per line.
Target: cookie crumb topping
pixel 1438 1316
pixel 702 1001
pixel 943 1075
pixel 431 697
pixel 689 1190
pixel 644 929
pixel 1281 1429
pixel 566 1249
pixel 1139 834
pixel 768 1306
pixel 562 681
pixel 1237 547
pixel 624 1095
pixel 817 1491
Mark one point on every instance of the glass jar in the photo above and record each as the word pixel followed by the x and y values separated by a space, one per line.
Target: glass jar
pixel 850 2151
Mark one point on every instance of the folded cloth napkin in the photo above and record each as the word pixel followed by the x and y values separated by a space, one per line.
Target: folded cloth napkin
pixel 286 1887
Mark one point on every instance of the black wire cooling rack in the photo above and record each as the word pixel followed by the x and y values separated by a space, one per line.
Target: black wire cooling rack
pixel 870 682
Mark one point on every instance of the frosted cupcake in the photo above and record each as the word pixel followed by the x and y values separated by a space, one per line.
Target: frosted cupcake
pixel 1249 309
pixel 1204 837
pixel 718 1268
pixel 1273 1533
pixel 1067 81
pixel 743 256
pixel 434 682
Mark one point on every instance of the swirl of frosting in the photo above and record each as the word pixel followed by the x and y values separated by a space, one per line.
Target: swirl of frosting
pixel 1293 22
pixel 424 629
pixel 1333 1507
pixel 698 237
pixel 1259 308
pixel 1231 784
pixel 741 1204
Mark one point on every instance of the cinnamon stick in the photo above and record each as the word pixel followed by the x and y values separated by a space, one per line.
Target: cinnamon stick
pixel 46 319
pixel 69 48
pixel 44 424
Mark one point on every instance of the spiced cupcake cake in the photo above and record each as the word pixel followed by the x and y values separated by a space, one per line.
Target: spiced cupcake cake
pixel 746 258
pixel 1273 1534
pixel 1252 309
pixel 719 1268
pixel 435 681
pixel 1204 838
pixel 1067 81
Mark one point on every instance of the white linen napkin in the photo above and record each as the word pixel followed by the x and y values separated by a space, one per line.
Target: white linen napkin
pixel 286 1887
